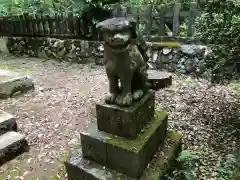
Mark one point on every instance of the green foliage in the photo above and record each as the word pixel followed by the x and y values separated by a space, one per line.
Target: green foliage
pixel 185 3
pixel 220 26
pixel 183 28
pixel 3 10
pixel 227 168
pixel 186 161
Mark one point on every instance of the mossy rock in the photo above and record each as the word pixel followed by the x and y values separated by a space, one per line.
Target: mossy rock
pixel 135 145
pixel 165 158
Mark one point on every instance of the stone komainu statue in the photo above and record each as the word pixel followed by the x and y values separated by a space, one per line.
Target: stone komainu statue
pixel 125 56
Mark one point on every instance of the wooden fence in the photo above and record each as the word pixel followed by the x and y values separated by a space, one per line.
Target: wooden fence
pixel 59 26
pixel 152 18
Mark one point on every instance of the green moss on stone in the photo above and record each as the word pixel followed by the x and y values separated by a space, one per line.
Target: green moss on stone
pixel 236 173
pixel 135 145
pixel 174 135
pixel 164 160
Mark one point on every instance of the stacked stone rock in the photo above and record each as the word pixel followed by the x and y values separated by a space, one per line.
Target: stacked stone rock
pixel 12 143
pixel 125 143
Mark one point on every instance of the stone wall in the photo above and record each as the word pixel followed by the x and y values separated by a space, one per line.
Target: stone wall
pixel 188 59
pixel 62 50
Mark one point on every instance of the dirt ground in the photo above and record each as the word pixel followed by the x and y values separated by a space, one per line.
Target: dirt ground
pixel 53 114
pixel 63 104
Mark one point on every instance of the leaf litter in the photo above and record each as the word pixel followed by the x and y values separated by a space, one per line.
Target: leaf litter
pixel 63 103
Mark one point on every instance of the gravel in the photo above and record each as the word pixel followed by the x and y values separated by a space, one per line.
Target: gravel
pixel 63 104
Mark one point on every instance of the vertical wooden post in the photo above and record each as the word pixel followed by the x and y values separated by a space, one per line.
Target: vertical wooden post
pixel 78 27
pixel 176 16
pixel 191 18
pixel 35 24
pixel 21 25
pixel 47 25
pixel 1 25
pixel 30 25
pixel 137 17
pixel 58 24
pixel 124 11
pixel 62 24
pixel 10 25
pixel 70 23
pixel 149 20
pixel 40 25
pixel 26 21
pixel 161 30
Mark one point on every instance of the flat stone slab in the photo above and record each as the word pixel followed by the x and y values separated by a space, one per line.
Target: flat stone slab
pixel 79 168
pixel 159 79
pixel 11 144
pixel 127 156
pixel 13 82
pixel 126 121
pixel 7 122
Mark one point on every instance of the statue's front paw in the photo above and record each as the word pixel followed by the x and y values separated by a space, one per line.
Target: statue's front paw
pixel 137 94
pixel 119 99
pixel 127 100
pixel 111 99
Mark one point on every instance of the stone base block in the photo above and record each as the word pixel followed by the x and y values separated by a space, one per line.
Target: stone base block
pixel 12 83
pixel 128 156
pixel 11 145
pixel 79 168
pixel 126 121
pixel 7 122
pixel 159 79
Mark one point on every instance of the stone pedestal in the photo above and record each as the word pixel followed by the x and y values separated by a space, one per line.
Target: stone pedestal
pixel 123 141
pixel 80 168
pixel 128 156
pixel 126 121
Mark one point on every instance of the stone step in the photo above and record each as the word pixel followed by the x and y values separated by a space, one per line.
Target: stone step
pixel 128 156
pixel 11 145
pixel 79 168
pixel 13 82
pixel 7 122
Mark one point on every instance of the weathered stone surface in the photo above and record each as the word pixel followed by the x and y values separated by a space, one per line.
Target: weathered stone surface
pixel 128 156
pixel 125 56
pixel 78 168
pixel 126 121
pixel 13 82
pixel 165 158
pixel 11 145
pixel 94 145
pixel 7 122
pixel 159 79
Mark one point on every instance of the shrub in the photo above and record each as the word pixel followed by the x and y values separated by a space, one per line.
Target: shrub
pixel 220 27
pixel 186 161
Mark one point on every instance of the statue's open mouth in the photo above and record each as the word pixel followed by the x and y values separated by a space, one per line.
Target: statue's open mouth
pixel 118 46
